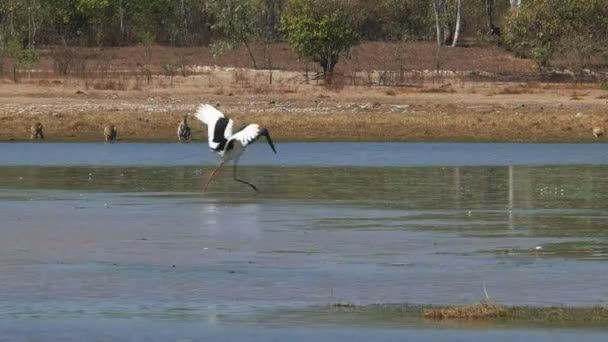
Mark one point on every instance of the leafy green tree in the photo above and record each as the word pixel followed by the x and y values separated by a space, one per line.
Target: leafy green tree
pixel 321 31
pixel 540 28
pixel 20 56
pixel 401 18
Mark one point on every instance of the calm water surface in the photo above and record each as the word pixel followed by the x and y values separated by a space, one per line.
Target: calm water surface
pixel 306 154
pixel 97 242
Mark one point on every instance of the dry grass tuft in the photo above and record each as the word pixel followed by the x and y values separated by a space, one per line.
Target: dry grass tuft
pixel 438 90
pixel 478 311
pixel 109 85
pixel 517 90
pixel 577 96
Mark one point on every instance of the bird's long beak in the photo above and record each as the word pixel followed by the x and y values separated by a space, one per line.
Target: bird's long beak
pixel 265 133
pixel 271 144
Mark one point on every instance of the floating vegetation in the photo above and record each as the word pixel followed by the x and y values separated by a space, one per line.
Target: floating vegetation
pixel 581 250
pixel 486 313
pixel 477 311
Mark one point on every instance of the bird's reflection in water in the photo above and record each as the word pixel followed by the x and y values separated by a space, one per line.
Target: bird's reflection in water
pixel 243 220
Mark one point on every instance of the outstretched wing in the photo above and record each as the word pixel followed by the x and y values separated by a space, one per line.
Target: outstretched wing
pixel 208 114
pixel 219 128
pixel 250 134
pixel 247 135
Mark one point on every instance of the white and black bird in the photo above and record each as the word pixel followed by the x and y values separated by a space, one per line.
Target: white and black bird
pixel 229 146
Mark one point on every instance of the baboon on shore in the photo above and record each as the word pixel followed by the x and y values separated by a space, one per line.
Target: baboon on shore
pixel 110 132
pixel 598 132
pixel 36 131
pixel 183 130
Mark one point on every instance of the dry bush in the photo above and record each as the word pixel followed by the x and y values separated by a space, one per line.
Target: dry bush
pixel 240 76
pixel 182 65
pixel 164 84
pixel 286 89
pixel 63 58
pixel 336 82
pixel 104 63
pixel 81 68
pixel 109 85
pixel 169 69
pixel 518 90
pixel 137 84
pixel 512 91
pixel 219 91
pixel 577 96
pixel 261 89
pixel 438 90
pixel 146 71
pixel 391 92
pixel 478 311
pixel 44 83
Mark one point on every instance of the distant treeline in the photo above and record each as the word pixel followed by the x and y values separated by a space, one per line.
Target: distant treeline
pixel 318 30
pixel 194 22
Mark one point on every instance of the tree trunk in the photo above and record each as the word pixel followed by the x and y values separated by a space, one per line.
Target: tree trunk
pixel 15 73
pixel 255 63
pixel 271 19
pixel 328 63
pixel 444 11
pixel 31 24
pixel 458 19
pixel 515 4
pixel 490 14
pixel 121 15
pixel 437 23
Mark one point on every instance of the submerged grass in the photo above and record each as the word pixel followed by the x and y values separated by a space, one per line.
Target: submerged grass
pixel 486 313
pixel 477 311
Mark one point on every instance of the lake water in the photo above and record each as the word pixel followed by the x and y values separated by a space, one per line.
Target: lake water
pixel 104 236
pixel 306 154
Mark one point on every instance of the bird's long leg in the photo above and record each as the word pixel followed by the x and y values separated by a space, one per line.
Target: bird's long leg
pixel 212 174
pixel 240 180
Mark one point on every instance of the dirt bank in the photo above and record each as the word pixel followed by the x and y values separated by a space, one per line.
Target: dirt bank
pixel 75 110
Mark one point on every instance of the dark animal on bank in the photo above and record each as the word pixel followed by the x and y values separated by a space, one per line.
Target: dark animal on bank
pixel 598 132
pixel 36 131
pixel 183 130
pixel 110 132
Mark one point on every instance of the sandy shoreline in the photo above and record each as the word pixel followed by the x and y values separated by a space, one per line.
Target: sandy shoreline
pixel 464 112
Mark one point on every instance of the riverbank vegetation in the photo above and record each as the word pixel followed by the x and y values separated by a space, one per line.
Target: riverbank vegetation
pixel 76 36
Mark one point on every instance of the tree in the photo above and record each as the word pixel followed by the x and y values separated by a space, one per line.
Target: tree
pixel 236 24
pixel 447 20
pixel 400 18
pixel 494 30
pixel 540 28
pixel 458 21
pixel 321 31
pixel 19 56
